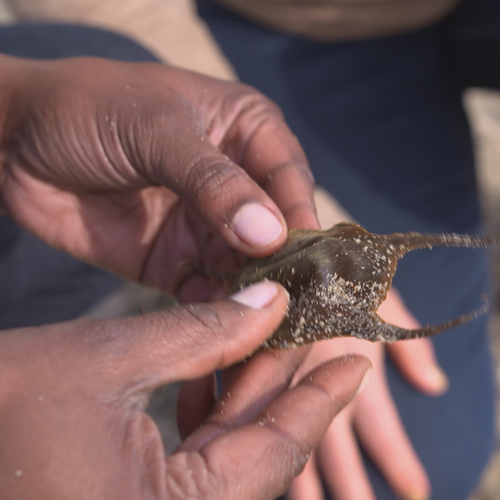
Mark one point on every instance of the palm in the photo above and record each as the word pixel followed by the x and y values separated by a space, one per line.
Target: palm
pixel 148 235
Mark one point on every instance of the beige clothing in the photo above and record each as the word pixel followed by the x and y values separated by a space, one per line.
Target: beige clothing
pixel 334 20
pixel 169 28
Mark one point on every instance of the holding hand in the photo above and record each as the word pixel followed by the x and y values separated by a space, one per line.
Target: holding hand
pixel 372 419
pixel 151 172
pixel 73 397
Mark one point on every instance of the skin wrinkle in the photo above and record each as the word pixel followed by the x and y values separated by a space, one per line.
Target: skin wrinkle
pixel 225 483
pixel 120 177
pixel 195 342
pixel 261 114
pixel 68 138
pixel 181 484
pixel 219 120
pixel 210 321
pixel 270 177
pixel 151 457
pixel 250 108
pixel 206 179
pixel 291 464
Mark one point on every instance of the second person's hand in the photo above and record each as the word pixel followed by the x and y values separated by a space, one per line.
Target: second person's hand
pixel 372 420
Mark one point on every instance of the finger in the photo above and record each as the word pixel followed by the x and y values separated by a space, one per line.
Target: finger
pixel 181 343
pixel 267 453
pixel 246 130
pixel 341 463
pixel 229 201
pixel 196 399
pixel 250 129
pixel 222 194
pixel 384 438
pixel 253 385
pixel 416 361
pixel 274 157
pixel 393 310
pixel 307 485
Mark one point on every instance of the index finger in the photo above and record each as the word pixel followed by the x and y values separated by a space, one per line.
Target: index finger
pixel 274 158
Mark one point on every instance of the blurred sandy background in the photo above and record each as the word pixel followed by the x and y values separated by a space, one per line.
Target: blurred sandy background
pixel 173 33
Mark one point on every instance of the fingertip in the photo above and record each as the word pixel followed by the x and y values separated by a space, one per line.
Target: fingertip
pixel 435 379
pixel 416 360
pixel 266 297
pixel 418 495
pixel 343 377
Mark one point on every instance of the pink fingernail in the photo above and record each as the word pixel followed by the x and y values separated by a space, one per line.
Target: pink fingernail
pixel 365 380
pixel 256 225
pixel 256 296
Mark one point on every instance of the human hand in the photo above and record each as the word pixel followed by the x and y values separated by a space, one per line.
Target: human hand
pixel 372 418
pixel 72 399
pixel 149 171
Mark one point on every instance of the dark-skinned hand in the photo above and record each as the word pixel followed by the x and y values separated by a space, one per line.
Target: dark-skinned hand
pixel 72 399
pixel 154 173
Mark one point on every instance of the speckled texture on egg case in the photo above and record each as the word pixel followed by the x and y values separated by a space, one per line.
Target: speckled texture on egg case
pixel 338 278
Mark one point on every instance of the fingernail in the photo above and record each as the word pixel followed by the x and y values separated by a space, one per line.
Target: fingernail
pixel 366 378
pixel 257 295
pixel 437 378
pixel 256 225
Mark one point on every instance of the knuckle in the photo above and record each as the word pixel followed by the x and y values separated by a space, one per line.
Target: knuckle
pixel 188 476
pixel 260 109
pixel 209 181
pixel 251 106
pixel 293 461
pixel 288 462
pixel 298 170
pixel 205 318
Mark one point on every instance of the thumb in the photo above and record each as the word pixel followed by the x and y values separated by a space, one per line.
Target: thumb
pixel 187 342
pixel 237 163
pixel 224 196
